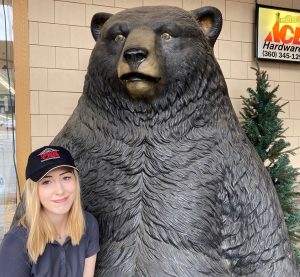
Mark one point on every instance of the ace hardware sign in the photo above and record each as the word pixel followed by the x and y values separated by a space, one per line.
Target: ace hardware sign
pixel 277 34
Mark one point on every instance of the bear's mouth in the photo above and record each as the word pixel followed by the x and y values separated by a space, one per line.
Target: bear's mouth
pixel 138 77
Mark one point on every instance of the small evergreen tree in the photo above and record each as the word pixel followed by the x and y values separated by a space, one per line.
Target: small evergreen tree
pixel 265 131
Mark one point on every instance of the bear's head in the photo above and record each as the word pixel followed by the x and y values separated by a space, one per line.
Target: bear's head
pixel 151 58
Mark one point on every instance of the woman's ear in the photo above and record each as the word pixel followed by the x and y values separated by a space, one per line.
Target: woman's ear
pixel 97 23
pixel 210 22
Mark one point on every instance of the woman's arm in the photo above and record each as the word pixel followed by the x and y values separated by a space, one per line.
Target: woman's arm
pixel 89 266
pixel 92 245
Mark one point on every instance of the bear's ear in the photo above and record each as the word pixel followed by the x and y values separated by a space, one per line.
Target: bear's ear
pixel 210 22
pixel 97 23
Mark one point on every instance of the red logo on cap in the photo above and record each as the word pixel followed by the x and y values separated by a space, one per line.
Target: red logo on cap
pixel 49 154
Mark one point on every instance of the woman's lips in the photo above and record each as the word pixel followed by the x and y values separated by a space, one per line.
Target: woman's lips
pixel 62 200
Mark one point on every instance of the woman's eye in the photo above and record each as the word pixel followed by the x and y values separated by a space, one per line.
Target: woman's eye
pixel 166 36
pixel 66 178
pixel 119 38
pixel 46 182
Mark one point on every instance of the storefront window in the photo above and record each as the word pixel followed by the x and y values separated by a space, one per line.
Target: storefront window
pixel 8 178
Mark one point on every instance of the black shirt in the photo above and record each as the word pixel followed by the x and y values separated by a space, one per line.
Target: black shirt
pixel 57 260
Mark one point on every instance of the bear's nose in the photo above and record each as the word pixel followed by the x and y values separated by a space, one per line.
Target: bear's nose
pixel 135 56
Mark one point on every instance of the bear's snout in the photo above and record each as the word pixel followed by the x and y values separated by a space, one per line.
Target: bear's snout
pixel 135 56
pixel 139 68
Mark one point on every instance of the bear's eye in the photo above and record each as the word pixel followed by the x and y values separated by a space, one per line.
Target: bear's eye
pixel 119 38
pixel 166 36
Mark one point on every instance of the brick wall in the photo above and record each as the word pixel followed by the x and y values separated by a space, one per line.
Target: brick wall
pixel 60 45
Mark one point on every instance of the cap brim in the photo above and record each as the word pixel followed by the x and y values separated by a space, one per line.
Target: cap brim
pixel 36 177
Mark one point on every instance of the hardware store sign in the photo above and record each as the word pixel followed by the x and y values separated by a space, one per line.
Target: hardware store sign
pixel 278 34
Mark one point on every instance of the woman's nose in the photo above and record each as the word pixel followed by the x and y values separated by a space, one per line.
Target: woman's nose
pixel 59 188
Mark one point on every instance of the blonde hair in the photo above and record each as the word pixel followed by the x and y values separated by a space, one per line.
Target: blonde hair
pixel 40 229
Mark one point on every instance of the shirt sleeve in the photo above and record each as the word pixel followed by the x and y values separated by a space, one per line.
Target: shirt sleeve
pixel 14 261
pixel 92 235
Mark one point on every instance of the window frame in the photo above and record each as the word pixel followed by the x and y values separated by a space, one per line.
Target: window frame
pixel 22 96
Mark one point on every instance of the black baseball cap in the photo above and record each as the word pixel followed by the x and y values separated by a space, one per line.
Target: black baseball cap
pixel 46 158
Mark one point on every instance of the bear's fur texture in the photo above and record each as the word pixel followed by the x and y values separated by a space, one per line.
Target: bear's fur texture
pixel 177 188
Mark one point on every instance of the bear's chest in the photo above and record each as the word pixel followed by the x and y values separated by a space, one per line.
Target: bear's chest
pixel 151 194
pixel 145 166
pixel 147 182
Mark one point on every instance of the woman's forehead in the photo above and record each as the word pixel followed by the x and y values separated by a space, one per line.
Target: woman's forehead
pixel 59 171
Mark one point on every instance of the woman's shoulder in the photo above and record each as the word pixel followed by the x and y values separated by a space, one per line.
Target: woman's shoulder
pixel 14 241
pixel 17 232
pixel 89 218
pixel 14 260
pixel 91 225
pixel 91 235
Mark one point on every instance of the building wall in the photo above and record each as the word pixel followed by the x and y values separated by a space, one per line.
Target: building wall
pixel 61 43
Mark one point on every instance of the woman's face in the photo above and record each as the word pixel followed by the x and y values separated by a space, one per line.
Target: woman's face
pixel 57 190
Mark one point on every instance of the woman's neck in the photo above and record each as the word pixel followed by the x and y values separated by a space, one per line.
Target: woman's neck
pixel 59 222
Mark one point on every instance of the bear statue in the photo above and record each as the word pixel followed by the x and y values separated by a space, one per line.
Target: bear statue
pixel 176 187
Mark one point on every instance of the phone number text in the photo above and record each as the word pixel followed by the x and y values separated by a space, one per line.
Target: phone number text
pixel 281 55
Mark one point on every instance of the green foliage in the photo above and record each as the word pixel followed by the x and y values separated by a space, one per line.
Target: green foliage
pixel 265 131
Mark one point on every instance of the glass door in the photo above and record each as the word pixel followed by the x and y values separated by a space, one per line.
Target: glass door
pixel 8 179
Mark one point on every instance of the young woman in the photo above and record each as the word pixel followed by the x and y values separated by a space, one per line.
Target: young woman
pixel 55 237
